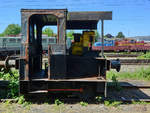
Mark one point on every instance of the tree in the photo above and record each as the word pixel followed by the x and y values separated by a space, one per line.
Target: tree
pixel 48 31
pixel 109 36
pixel 120 35
pixel 70 34
pixel 12 29
pixel 97 36
pixel 1 34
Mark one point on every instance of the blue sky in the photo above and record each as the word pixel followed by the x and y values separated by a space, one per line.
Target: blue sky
pixel 132 17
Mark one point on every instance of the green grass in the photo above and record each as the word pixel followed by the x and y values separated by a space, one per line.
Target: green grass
pixel 140 102
pixel 142 74
pixel 144 56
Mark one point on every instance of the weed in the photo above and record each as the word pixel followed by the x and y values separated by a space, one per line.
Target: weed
pixel 99 98
pixel 59 106
pixel 116 103
pixel 140 102
pixel 7 102
pixel 26 104
pixel 112 103
pixel 83 103
pixel 46 103
pixel 114 79
pixel 21 100
pixel 115 84
pixel 58 102
pixel 106 103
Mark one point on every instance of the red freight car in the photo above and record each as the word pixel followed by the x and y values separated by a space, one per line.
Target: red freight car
pixel 125 45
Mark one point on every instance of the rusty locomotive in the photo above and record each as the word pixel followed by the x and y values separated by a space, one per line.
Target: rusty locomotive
pixel 77 69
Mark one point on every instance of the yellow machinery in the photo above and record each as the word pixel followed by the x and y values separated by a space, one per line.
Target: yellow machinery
pixel 88 38
pixel 82 42
pixel 77 46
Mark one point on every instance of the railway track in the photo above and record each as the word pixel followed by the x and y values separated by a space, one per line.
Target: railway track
pixel 135 61
pixel 122 55
pixel 126 61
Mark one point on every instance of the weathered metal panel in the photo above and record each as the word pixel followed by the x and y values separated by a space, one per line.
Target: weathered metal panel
pixel 24 30
pixel 77 66
pixel 58 66
pixel 107 15
pixel 24 24
pixel 58 49
pixel 62 31
pixel 65 67
pixel 22 69
pixel 57 12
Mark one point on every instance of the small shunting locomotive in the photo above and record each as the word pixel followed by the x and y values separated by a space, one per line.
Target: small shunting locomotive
pixel 77 69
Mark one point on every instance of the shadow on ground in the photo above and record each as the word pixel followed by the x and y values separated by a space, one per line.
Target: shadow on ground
pixel 127 91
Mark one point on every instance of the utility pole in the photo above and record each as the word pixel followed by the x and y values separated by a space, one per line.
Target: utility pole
pixel 102 35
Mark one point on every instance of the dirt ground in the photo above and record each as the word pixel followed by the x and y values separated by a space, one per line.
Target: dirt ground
pixel 74 108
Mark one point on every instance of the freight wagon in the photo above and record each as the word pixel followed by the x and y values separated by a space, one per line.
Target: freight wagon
pixel 11 45
pixel 106 43
pixel 122 45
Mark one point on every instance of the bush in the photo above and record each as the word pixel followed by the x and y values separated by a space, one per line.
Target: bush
pixel 13 78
